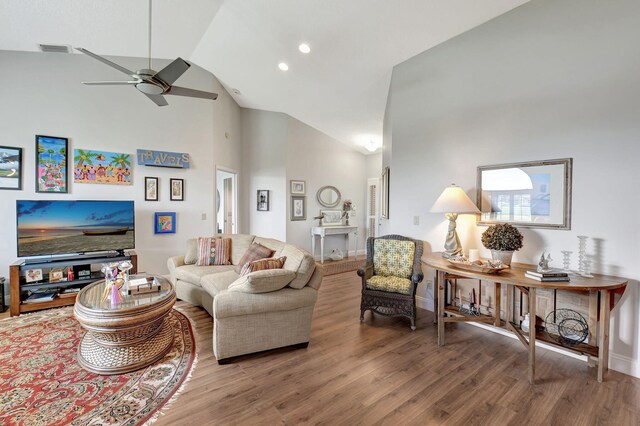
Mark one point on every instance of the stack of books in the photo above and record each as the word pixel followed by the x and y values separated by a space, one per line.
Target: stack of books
pixel 556 276
pixel 41 295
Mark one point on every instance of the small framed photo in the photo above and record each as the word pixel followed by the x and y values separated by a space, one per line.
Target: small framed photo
pixel 51 164
pixel 165 222
pixel 298 187
pixel 55 275
pixel 298 207
pixel 263 200
pixel 10 167
pixel 150 188
pixel 331 217
pixel 177 189
pixel 33 275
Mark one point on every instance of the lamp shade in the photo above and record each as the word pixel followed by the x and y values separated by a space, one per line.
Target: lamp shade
pixel 454 200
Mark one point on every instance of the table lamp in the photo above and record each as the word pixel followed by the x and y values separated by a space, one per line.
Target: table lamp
pixel 453 201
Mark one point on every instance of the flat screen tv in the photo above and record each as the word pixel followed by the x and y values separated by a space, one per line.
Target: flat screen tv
pixel 64 227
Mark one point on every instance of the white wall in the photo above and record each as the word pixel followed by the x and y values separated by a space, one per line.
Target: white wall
pixel 319 160
pixel 278 148
pixel 42 94
pixel 264 138
pixel 550 79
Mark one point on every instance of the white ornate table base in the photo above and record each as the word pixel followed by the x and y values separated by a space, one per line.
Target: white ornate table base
pixel 323 231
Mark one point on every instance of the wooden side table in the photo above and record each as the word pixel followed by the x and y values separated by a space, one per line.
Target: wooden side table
pixel 600 289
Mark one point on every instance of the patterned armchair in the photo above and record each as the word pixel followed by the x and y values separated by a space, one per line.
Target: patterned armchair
pixel 390 276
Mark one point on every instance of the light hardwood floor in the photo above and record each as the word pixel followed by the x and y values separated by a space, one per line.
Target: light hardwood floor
pixel 380 372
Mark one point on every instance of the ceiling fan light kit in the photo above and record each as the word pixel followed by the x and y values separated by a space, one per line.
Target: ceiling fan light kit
pixel 150 83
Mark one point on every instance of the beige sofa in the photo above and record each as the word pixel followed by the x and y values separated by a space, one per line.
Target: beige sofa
pixel 245 320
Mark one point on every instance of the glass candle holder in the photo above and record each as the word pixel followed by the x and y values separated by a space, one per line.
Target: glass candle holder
pixel 566 260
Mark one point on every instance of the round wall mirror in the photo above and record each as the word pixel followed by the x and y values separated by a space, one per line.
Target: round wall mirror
pixel 328 196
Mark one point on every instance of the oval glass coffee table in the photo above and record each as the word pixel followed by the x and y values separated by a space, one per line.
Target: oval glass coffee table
pixel 125 336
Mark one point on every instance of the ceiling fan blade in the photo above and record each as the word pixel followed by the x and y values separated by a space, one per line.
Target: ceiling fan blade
pixel 106 61
pixel 173 71
pixel 158 99
pixel 109 83
pixel 183 91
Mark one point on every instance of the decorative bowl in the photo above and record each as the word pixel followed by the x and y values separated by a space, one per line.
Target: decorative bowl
pixel 484 266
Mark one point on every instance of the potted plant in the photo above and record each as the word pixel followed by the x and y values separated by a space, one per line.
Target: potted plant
pixel 502 239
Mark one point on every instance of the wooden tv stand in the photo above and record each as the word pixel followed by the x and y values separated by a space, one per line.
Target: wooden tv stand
pixel 18 285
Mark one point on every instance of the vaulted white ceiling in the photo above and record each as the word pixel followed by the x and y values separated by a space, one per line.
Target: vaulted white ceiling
pixel 340 88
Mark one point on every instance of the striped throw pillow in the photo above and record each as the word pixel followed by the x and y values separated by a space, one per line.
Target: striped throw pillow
pixel 214 251
pixel 254 252
pixel 262 264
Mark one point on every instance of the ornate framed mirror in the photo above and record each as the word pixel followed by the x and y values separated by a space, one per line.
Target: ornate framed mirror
pixel 328 196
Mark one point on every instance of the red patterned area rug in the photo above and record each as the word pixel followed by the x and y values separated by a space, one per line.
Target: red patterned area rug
pixel 42 384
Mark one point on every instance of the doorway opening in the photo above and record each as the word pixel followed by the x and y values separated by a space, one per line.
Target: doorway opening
pixel 226 200
pixel 373 207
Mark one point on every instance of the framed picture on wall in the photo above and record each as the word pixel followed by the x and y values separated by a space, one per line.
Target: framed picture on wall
pixel 384 194
pixel 263 200
pixel 298 207
pixel 151 188
pixel 298 187
pixel 51 164
pixel 177 189
pixel 331 217
pixel 165 222
pixel 10 167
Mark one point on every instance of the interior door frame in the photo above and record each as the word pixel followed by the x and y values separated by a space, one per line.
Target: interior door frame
pixel 235 173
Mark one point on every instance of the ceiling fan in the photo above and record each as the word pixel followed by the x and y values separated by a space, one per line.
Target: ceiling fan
pixel 151 83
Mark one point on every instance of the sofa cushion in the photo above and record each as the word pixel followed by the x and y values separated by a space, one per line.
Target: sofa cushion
pixel 254 252
pixel 191 256
pixel 239 245
pixel 275 245
pixel 263 281
pixel 262 264
pixel 214 251
pixel 299 261
pixel 193 273
pixel 215 283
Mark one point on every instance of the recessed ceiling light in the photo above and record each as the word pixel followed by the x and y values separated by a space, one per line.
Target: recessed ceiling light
pixel 236 91
pixel 283 66
pixel 304 48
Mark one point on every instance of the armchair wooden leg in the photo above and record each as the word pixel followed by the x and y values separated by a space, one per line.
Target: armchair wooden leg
pixel 361 315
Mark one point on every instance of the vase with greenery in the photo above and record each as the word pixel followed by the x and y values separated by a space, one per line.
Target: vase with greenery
pixel 502 239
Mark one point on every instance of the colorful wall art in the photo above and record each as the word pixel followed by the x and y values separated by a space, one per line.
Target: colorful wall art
pixel 51 164
pixel 101 167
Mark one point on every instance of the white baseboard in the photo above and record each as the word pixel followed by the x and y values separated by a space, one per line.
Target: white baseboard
pixel 624 364
pixel 620 363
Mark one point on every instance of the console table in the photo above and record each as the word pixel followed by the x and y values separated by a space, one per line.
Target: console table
pixel 323 231
pixel 600 289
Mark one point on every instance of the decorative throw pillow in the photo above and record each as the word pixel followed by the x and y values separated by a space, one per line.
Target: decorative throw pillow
pixel 263 281
pixel 254 252
pixel 214 251
pixel 262 264
pixel 191 256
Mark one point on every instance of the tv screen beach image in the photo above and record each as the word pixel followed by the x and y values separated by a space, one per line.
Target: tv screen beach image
pixel 56 227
